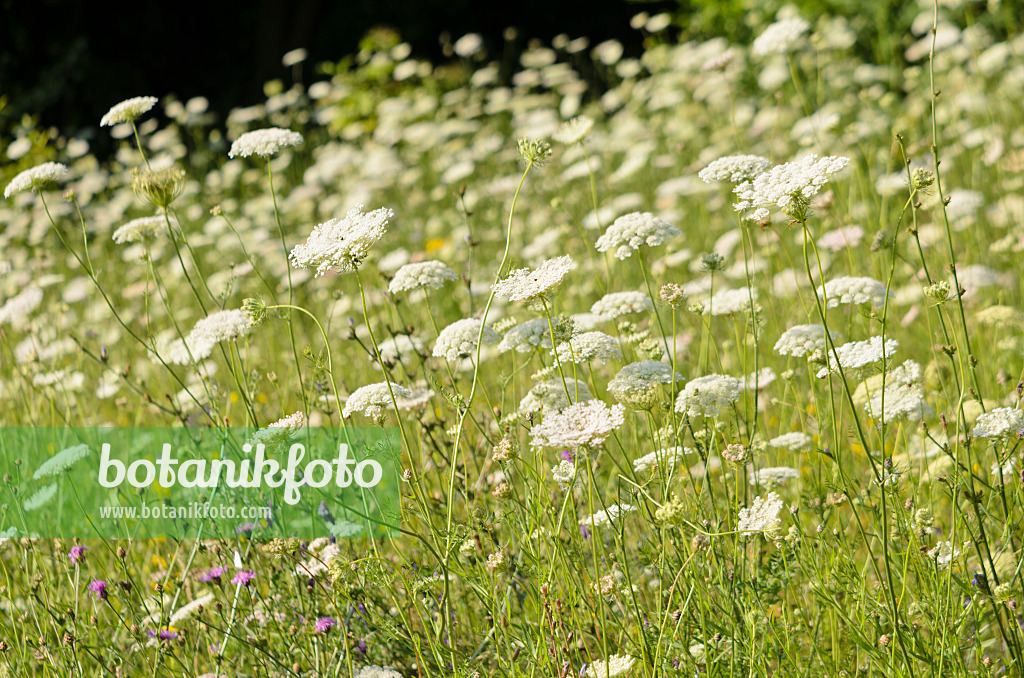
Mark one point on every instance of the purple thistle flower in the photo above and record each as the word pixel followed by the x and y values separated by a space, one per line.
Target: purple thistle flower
pixel 162 634
pixel 244 577
pixel 362 646
pixel 324 624
pixel 213 574
pixel 567 455
pixel 98 588
pixel 77 553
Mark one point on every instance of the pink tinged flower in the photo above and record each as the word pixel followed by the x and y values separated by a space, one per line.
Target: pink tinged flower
pixel 163 634
pixel 98 588
pixel 243 577
pixel 77 553
pixel 212 574
pixel 324 624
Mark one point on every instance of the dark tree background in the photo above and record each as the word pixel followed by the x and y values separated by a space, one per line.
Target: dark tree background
pixel 68 61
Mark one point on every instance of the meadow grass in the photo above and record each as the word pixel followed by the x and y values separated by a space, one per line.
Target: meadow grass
pixel 778 435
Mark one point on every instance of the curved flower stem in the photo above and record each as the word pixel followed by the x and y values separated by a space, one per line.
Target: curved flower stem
pixel 291 289
pixel 446 605
pixel 327 343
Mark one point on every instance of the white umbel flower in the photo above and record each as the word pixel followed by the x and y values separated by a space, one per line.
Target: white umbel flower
pixel 128 110
pixel 727 302
pixel 781 37
pixel 788 187
pixel 17 308
pixel 62 461
pixel 342 244
pixel 583 425
pixel 639 384
pixel 526 285
pixel 421 275
pixel 36 177
pixel 665 458
pixel 761 517
pixel 857 354
pixel 460 339
pixel 773 475
pixel 734 168
pixel 573 130
pixel 527 336
pixel 617 665
pixel 801 340
pixel 142 228
pixel 607 516
pixel 279 430
pixel 264 142
pixel 589 346
pixel 854 291
pixel 945 553
pixel 373 399
pixel 708 396
pixel 632 231
pixel 615 304
pixel 550 396
pixel 793 441
pixel 999 423
pixel 226 325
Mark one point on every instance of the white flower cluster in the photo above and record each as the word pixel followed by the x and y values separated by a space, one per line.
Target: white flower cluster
pixel 264 142
pixel 573 130
pixel 421 275
pixel 17 308
pixel 638 384
pixel 589 346
pixel 945 553
pixel 665 458
pixel 393 348
pixel 583 425
pixel 728 302
pixel 61 461
pixel 127 111
pixel 342 244
pixel 617 665
pixel 707 396
pixel 788 186
pixel 854 291
pixel 460 339
pixel 793 441
pixel 631 231
pixel 781 37
pixel 225 325
pixel 527 336
pixel 902 397
pixel 36 177
pixel 857 354
pixel 526 285
pixel 607 516
pixel 615 304
pixel 734 168
pixel 1002 422
pixel 773 475
pixel 373 399
pixel 801 340
pixel 762 516
pixel 564 474
pixel 279 430
pixel 549 396
pixel 142 228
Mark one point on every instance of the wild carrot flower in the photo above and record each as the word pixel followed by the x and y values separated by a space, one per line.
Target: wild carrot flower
pixel 342 244
pixel 583 425
pixel 526 285
pixel 421 275
pixel 264 142
pixel 460 339
pixel 632 231
pixel 762 516
pixel 62 461
pixel 373 399
pixel 128 110
pixel 788 187
pixel 36 177
pixel 616 665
